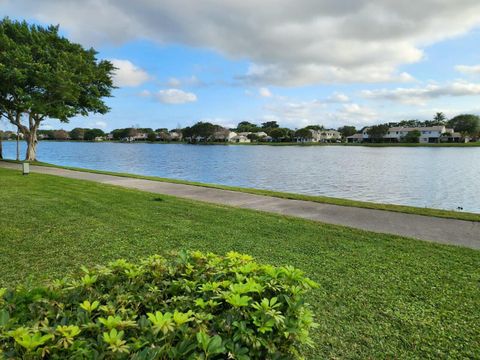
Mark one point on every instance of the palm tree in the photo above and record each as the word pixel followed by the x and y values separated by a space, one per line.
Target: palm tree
pixel 439 118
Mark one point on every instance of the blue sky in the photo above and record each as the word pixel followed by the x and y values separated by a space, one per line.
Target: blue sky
pixel 299 66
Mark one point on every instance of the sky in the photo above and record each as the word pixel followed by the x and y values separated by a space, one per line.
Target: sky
pixel 328 62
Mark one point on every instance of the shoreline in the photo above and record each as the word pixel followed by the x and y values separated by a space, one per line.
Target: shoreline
pixel 432 145
pixel 432 212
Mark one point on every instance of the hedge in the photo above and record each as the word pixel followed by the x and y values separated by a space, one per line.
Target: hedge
pixel 184 306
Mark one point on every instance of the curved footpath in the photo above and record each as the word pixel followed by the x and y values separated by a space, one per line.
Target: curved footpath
pixel 445 231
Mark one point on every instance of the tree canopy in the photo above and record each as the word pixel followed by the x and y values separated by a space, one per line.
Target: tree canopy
pixel 200 129
pixel 413 136
pixel 246 126
pixel 91 134
pixel 270 125
pixel 347 131
pixel 44 75
pixel 304 134
pixel 466 124
pixel 377 132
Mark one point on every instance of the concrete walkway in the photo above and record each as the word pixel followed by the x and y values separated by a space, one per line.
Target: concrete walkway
pixel 445 231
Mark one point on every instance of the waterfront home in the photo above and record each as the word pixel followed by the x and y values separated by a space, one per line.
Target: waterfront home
pixel 428 134
pixel 355 138
pixel 175 135
pixel 140 136
pixel 240 139
pixel 223 134
pixel 452 136
pixel 231 135
pixel 244 133
pixel 110 136
pixel 261 134
pixel 99 138
pixel 329 136
pixel 321 136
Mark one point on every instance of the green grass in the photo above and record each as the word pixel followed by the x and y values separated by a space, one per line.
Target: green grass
pixel 449 214
pixel 470 144
pixel 381 296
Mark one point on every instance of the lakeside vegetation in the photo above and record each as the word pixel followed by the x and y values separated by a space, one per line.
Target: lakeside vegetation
pixel 460 131
pixel 449 214
pixel 380 295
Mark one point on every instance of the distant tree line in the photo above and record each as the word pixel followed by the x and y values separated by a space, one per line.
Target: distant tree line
pixel 466 124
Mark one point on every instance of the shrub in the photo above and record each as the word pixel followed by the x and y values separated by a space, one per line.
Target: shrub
pixel 188 306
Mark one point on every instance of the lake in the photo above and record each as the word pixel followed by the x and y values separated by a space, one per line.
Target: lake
pixel 444 178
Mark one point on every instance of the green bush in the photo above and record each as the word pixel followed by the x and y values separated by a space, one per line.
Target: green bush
pixel 188 306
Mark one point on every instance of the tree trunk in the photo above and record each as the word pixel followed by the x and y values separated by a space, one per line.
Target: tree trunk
pixel 31 146
pixel 29 133
pixel 1 148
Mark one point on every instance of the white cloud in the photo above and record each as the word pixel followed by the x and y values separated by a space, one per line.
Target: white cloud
pixel 290 43
pixel 188 81
pixel 420 95
pixel 338 98
pixel 467 69
pixel 174 82
pixel 101 124
pixel 175 96
pixel 264 92
pixel 128 74
pixel 302 113
pixel 145 93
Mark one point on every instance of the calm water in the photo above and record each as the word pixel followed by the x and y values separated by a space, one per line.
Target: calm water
pixel 432 177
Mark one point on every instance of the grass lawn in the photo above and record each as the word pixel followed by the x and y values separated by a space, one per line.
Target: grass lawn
pixel 381 296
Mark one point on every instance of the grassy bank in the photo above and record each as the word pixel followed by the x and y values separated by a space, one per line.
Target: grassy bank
pixel 472 144
pixel 381 296
pixel 320 199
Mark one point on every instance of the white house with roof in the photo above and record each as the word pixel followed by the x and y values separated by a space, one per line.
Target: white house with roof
pixel 355 138
pixel 428 134
pixel 240 139
pixel 231 135
pixel 329 135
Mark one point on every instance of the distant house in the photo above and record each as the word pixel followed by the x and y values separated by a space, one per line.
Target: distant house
pixel 261 134
pixel 329 136
pixel 110 136
pixel 240 139
pixel 222 134
pixel 245 133
pixel 355 138
pixel 231 135
pixel 364 133
pixel 428 134
pixel 140 136
pixel 99 138
pixel 175 135
pixel 321 136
